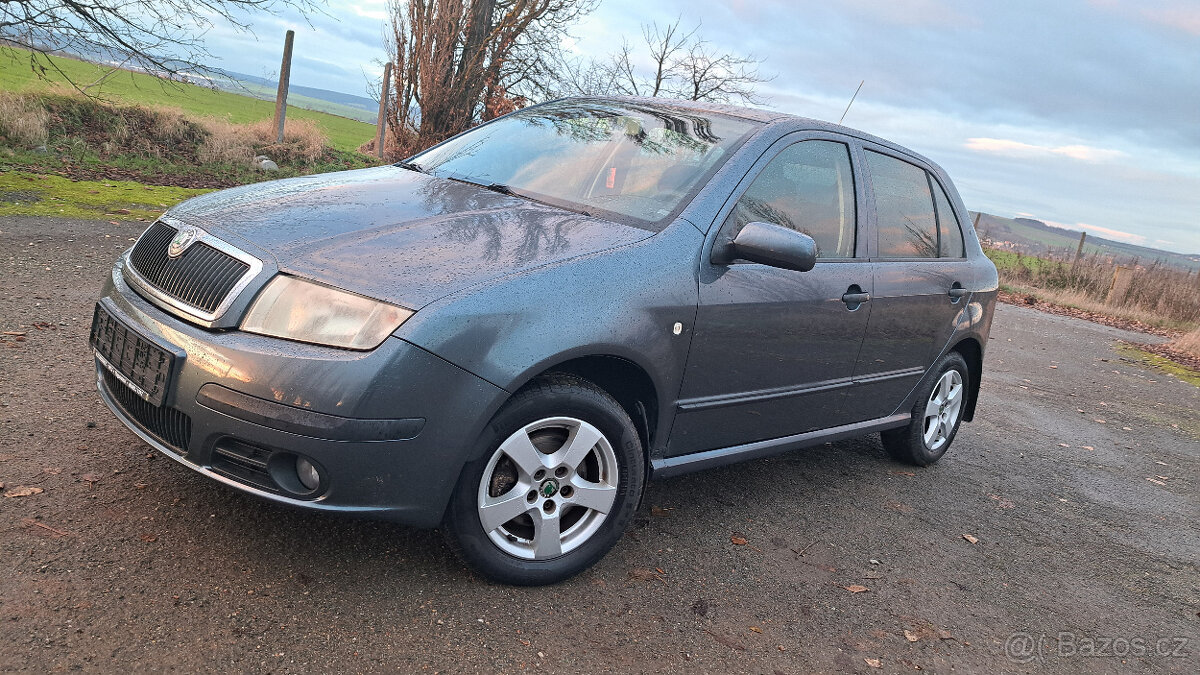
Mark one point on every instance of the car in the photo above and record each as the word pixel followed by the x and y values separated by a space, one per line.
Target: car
pixel 508 334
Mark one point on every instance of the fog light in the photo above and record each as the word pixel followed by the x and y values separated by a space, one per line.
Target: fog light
pixel 309 477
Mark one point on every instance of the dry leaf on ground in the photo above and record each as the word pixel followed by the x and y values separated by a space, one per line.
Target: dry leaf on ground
pixel 855 588
pixel 874 663
pixel 24 491
pixel 738 541
pixel 971 539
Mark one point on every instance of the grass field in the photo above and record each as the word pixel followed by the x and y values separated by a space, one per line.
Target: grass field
pixel 129 87
pixel 26 194
pixel 266 93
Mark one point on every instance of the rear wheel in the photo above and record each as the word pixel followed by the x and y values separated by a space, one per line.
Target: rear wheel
pixel 935 417
pixel 555 488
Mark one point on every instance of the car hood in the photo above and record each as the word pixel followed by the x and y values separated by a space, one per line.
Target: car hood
pixel 398 235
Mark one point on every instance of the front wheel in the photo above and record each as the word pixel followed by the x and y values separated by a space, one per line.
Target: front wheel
pixel 935 417
pixel 559 481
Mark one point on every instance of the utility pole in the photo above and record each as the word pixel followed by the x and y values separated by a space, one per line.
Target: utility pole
pixel 285 75
pixel 381 125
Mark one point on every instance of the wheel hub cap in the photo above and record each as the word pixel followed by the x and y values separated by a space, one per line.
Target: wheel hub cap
pixel 549 488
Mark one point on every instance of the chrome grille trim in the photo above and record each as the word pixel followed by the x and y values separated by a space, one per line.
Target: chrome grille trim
pixel 193 302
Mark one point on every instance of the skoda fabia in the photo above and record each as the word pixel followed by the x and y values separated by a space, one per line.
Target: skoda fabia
pixel 511 332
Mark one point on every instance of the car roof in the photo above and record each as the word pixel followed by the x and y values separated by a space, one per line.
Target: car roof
pixel 798 122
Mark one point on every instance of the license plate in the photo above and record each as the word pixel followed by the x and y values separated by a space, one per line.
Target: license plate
pixel 134 358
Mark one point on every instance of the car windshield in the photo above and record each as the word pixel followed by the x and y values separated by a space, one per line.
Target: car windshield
pixel 624 161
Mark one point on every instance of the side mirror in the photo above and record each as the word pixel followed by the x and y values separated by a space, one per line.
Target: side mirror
pixel 772 245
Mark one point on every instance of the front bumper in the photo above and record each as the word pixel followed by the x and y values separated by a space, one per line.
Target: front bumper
pixel 389 429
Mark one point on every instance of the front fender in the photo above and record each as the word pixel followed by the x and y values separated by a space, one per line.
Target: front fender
pixel 622 302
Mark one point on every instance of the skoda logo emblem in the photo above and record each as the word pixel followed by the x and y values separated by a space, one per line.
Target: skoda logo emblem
pixel 549 488
pixel 182 239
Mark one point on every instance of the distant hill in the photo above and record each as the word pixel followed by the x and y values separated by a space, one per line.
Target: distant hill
pixel 1035 237
pixel 358 108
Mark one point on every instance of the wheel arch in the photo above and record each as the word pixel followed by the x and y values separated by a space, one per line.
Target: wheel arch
pixel 627 381
pixel 972 352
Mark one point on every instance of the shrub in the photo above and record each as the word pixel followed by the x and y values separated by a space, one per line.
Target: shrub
pixel 1189 344
pixel 24 122
pixel 303 142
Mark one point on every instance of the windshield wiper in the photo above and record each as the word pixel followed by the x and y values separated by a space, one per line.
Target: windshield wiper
pixel 506 190
pixel 494 187
pixel 502 189
pixel 413 166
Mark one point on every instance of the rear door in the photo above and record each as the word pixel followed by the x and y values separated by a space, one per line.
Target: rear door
pixel 919 270
pixel 774 349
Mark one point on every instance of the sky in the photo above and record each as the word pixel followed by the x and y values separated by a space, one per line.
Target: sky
pixel 1084 114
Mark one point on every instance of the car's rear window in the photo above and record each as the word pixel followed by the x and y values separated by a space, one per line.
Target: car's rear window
pixel 623 161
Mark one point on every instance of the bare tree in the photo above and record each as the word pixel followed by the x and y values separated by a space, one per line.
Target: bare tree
pixel 711 75
pixel 459 62
pixel 162 37
pixel 681 64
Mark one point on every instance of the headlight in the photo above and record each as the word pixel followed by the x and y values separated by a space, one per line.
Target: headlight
pixel 302 310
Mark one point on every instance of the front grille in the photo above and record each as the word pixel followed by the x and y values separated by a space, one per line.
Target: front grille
pixel 145 364
pixel 202 277
pixel 243 462
pixel 168 425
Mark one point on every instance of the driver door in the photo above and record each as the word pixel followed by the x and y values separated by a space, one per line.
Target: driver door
pixel 774 350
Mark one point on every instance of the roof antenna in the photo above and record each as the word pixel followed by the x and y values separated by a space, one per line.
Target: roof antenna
pixel 860 84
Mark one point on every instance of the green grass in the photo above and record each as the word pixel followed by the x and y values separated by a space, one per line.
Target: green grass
pixel 1009 260
pixel 261 91
pixel 28 194
pixel 1155 361
pixel 128 87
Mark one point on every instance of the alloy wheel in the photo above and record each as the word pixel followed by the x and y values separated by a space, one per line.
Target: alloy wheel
pixel 941 413
pixel 548 488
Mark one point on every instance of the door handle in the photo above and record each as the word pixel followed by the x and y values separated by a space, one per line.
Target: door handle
pixel 854 296
pixel 957 291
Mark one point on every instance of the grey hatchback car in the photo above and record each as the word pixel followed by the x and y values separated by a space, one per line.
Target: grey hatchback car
pixel 511 332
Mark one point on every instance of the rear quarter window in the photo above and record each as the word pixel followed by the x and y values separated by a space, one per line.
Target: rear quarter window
pixel 949 229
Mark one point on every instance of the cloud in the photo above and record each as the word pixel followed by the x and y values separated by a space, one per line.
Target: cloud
pixel 1175 15
pixel 927 13
pixel 1001 146
pixel 1105 232
pixel 1186 19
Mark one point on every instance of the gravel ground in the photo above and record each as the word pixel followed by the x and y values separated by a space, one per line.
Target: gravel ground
pixel 1077 485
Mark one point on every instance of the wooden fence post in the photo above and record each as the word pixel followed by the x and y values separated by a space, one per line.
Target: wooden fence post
pixel 1079 251
pixel 384 91
pixel 1122 278
pixel 285 75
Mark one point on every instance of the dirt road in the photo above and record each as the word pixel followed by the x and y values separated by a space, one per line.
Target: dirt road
pixel 1077 485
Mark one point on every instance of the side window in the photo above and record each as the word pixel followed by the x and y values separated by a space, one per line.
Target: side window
pixel 903 208
pixel 948 226
pixel 809 188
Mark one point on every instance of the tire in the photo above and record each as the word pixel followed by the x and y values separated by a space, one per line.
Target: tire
pixel 936 415
pixel 560 477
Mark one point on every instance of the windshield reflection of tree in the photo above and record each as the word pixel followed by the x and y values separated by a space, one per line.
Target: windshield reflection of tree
pixel 521 234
